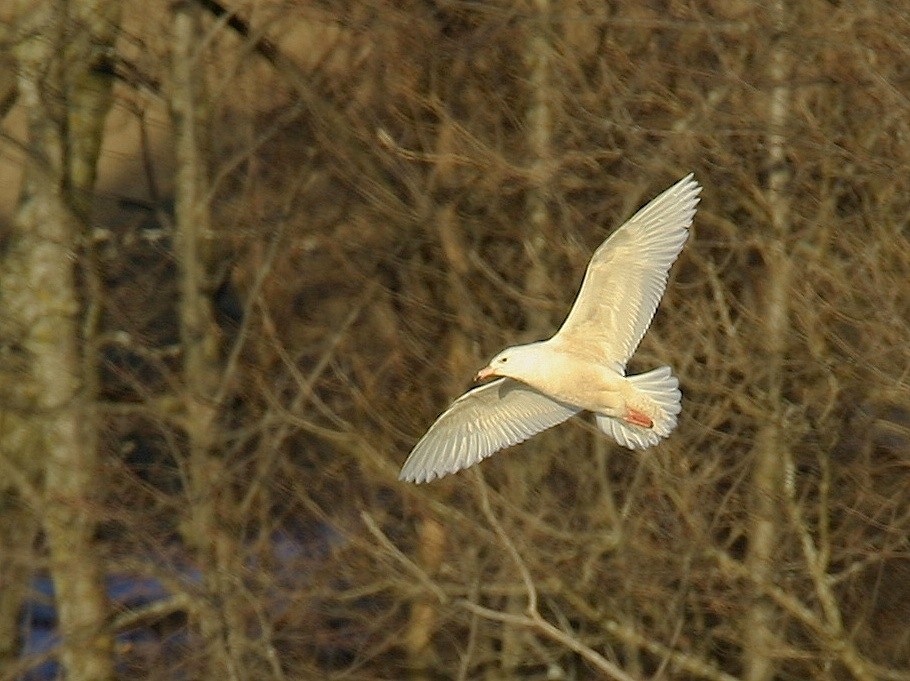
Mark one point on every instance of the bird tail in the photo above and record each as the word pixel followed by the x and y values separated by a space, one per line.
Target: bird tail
pixel 654 394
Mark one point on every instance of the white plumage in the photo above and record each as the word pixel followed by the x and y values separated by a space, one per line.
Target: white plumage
pixel 582 367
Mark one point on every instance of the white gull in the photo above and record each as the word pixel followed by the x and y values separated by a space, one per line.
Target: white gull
pixel 582 367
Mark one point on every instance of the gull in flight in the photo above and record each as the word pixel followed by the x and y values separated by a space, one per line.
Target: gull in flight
pixel 582 367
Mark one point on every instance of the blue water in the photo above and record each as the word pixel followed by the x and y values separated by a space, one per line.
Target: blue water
pixel 153 638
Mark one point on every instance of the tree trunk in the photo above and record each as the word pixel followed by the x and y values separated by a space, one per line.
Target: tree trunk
pixel 66 95
pixel 207 529
pixel 769 461
pixel 541 96
pixel 539 117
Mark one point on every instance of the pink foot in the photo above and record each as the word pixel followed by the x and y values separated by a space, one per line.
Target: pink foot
pixel 638 418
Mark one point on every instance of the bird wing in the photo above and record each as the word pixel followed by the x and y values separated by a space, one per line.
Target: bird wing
pixel 627 275
pixel 480 423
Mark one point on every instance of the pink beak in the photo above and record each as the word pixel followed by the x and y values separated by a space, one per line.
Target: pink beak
pixel 485 373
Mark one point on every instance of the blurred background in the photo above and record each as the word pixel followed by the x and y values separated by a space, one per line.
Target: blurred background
pixel 249 251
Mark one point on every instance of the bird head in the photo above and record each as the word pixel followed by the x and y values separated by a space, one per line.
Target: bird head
pixel 518 362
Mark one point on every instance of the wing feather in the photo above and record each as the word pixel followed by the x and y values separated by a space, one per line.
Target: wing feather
pixel 627 275
pixel 479 423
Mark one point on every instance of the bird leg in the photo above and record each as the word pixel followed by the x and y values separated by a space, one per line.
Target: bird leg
pixel 638 418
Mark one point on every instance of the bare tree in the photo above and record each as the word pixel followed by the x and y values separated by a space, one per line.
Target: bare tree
pixel 405 188
pixel 771 453
pixel 63 85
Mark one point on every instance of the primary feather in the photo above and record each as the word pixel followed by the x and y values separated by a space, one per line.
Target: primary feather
pixel 479 423
pixel 627 275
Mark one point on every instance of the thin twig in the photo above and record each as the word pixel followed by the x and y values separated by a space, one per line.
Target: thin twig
pixel 536 622
pixel 396 553
pixel 832 641
pixel 504 538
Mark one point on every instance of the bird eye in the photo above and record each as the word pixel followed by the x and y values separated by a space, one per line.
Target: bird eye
pixel 504 360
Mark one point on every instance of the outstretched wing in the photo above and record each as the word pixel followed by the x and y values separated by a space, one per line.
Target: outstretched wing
pixel 479 423
pixel 627 275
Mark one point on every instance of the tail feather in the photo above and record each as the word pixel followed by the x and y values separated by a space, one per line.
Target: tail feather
pixel 655 393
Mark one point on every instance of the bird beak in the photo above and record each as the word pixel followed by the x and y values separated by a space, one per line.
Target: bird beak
pixel 485 373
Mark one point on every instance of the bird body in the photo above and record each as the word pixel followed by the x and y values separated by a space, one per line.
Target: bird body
pixel 553 368
pixel 582 367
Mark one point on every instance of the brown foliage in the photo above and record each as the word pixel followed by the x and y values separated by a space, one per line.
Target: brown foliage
pixel 370 250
